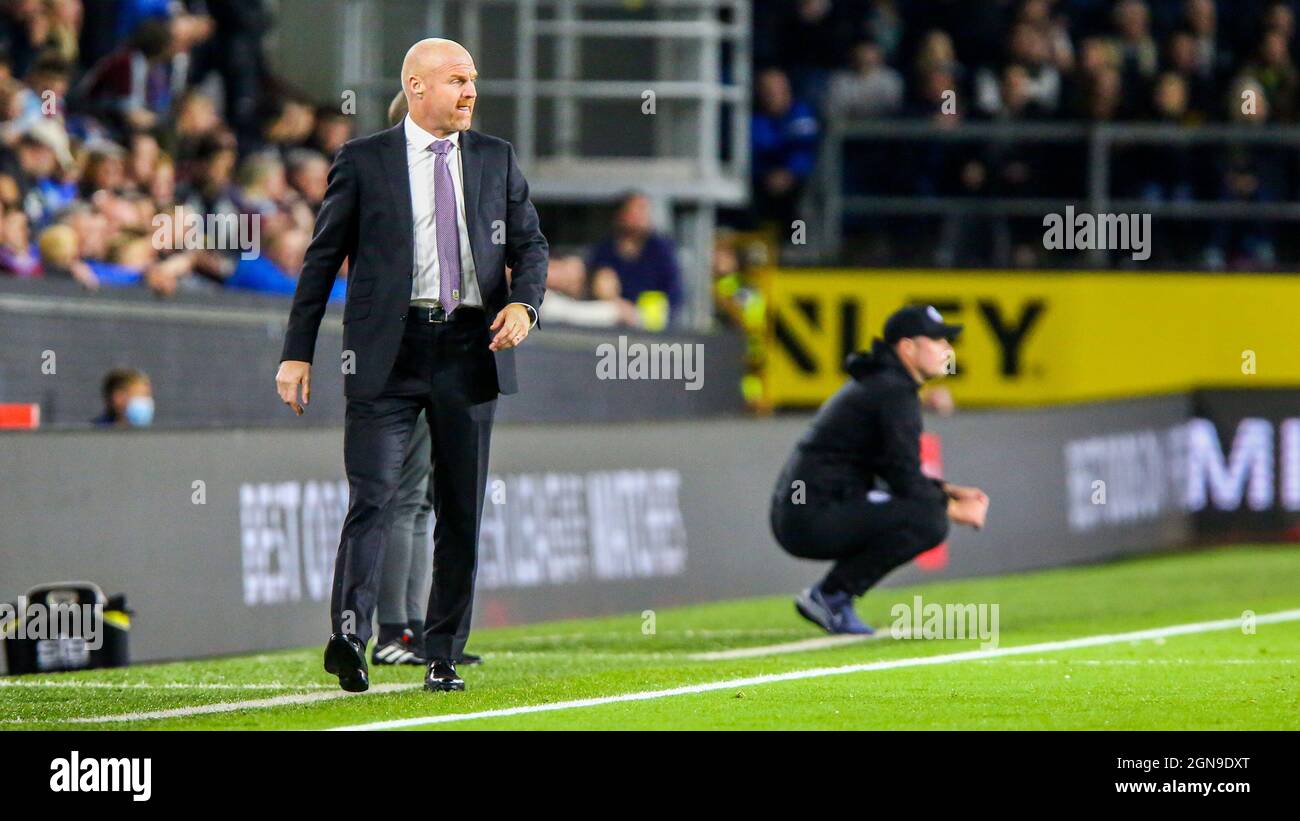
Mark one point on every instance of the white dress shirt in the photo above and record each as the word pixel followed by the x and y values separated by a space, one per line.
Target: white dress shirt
pixel 420 164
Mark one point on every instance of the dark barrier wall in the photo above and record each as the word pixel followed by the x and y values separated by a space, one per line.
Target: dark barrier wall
pixel 212 359
pixel 1245 464
pixel 224 540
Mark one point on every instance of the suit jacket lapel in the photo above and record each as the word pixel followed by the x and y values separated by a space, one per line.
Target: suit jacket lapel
pixel 398 175
pixel 472 172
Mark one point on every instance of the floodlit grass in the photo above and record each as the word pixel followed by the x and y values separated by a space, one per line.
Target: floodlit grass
pixel 1222 679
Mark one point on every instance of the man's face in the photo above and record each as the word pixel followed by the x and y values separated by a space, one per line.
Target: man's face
pixel 634 216
pixel 312 180
pixel 37 159
pixel 931 358
pixel 774 92
pixel 449 93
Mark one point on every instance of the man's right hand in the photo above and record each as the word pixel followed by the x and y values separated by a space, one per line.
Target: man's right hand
pixel 969 510
pixel 293 373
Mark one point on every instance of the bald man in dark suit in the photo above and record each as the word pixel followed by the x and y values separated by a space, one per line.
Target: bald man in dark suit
pixel 428 215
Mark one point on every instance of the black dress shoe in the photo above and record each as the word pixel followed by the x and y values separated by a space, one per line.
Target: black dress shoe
pixel 469 658
pixel 345 657
pixel 441 677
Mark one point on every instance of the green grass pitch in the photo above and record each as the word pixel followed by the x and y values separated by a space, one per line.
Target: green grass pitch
pixel 1207 679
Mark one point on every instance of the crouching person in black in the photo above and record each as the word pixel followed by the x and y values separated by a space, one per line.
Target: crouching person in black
pixel 829 503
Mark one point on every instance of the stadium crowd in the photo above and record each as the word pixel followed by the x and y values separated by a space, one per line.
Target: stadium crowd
pixel 1183 62
pixel 129 124
pixel 124 122
pixel 134 132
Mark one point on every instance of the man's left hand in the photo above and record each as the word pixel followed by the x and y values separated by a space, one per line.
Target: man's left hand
pixel 511 327
pixel 962 493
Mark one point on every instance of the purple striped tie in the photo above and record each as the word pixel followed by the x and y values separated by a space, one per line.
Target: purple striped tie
pixel 445 228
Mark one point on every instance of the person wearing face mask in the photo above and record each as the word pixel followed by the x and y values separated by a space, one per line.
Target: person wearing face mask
pixel 128 399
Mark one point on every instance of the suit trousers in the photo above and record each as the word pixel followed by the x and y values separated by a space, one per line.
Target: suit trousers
pixel 404 579
pixel 446 370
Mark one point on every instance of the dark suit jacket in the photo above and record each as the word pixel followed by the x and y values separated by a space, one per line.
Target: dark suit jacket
pixel 366 218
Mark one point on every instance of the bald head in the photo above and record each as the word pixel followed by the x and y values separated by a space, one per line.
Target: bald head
pixel 438 78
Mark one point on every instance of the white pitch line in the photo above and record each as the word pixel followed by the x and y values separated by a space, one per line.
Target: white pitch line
pixel 232 706
pixel 797 675
pixel 789 647
pixel 167 685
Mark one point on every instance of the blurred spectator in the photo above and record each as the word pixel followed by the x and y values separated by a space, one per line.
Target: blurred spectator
pixel 784 135
pixel 1248 173
pixel 196 121
pixel 870 89
pixel 813 41
pixel 309 175
pixel 1139 56
pixel 128 399
pixel 63 39
pixel 937 53
pixel 1204 100
pixel 1104 95
pixel 211 188
pixel 234 52
pixel 1203 23
pixel 16 255
pixel 642 259
pixel 266 192
pixel 1167 173
pixel 1029 69
pixel 883 25
pixel 60 257
pixel 105 168
pixel 397 108
pixel 276 269
pixel 333 129
pixel 24 32
pixel 290 123
pixel 1275 73
pixel 1054 28
pixel 1280 17
pixel 568 300
pixel 95 235
pixel 44 160
pixel 130 88
pixel 43 91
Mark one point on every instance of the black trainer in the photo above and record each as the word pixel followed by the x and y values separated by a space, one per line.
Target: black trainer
pixel 401 650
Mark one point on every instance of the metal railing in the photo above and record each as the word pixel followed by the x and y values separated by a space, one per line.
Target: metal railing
pixel 826 201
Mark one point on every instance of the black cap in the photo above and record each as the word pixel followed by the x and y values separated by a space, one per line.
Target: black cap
pixel 918 320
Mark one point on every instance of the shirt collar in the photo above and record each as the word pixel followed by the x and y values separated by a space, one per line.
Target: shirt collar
pixel 421 139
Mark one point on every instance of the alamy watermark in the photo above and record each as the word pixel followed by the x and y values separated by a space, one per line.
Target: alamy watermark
pixel 681 361
pixel 1084 231
pixel 922 620
pixel 125 775
pixel 34 621
pixel 188 230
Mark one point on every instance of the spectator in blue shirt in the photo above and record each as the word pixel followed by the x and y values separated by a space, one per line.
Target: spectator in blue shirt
pixel 784 135
pixel 276 269
pixel 641 258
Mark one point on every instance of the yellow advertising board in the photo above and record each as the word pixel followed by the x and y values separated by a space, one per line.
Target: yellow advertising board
pixel 1041 337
